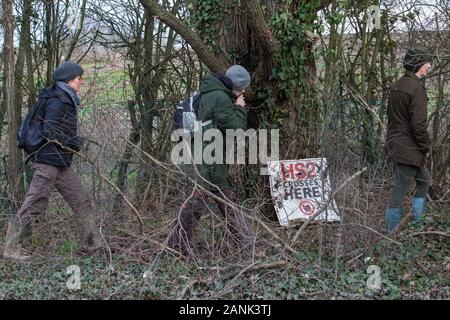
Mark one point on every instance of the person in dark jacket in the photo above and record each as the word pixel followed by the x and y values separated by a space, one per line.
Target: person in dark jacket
pixel 407 137
pixel 222 106
pixel 51 164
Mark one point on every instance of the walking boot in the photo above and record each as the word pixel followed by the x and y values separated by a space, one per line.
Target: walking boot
pixel 183 228
pixel 393 218
pixel 13 249
pixel 26 234
pixel 419 207
pixel 90 236
pixel 235 222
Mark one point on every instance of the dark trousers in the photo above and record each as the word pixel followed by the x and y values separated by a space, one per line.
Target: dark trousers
pixel 184 227
pixel 404 176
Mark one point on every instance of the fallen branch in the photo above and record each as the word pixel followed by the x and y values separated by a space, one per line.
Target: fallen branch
pixel 440 233
pixel 152 241
pixel 251 268
pixel 375 231
pixel 256 267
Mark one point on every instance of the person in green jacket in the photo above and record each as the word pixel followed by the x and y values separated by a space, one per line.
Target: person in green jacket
pixel 407 138
pixel 222 106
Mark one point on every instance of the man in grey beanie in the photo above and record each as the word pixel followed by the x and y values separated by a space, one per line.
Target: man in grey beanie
pixel 52 161
pixel 222 106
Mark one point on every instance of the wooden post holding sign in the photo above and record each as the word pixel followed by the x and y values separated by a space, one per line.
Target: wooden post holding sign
pixel 300 188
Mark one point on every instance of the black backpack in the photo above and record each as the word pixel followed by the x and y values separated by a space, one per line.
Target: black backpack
pixel 186 113
pixel 30 136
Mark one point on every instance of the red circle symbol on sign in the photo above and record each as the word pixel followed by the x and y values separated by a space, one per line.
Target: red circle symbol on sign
pixel 307 207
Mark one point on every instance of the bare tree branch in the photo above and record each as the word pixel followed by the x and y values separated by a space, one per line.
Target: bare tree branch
pixel 186 33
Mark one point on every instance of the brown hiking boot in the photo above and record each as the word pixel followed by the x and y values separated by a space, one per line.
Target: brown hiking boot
pixel 90 236
pixel 241 231
pixel 13 249
pixel 184 227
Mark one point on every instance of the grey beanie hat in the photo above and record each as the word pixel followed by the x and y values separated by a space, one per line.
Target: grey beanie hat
pixel 67 71
pixel 239 76
pixel 414 59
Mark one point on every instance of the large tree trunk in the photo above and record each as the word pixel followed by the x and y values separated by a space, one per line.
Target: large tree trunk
pixel 146 101
pixel 26 30
pixel 126 157
pixel 10 103
pixel 24 46
pixel 49 40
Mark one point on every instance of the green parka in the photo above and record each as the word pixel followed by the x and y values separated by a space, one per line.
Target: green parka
pixel 217 105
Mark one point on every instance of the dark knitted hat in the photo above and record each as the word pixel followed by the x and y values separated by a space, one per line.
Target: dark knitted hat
pixel 67 71
pixel 414 59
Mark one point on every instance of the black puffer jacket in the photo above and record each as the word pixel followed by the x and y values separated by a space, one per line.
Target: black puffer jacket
pixel 59 124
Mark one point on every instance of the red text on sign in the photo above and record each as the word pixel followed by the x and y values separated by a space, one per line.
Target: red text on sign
pixel 299 171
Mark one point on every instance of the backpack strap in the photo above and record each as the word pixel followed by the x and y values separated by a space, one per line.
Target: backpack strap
pixel 204 124
pixel 39 105
pixel 191 104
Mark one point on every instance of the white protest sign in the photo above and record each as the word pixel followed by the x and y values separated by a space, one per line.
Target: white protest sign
pixel 300 188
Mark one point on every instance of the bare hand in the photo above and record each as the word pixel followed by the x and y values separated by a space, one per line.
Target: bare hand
pixel 240 101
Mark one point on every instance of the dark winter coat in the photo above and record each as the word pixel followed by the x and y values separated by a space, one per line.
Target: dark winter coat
pixel 407 136
pixel 217 104
pixel 60 124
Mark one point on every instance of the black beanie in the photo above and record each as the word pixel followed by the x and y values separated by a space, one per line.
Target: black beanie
pixel 414 59
pixel 67 71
